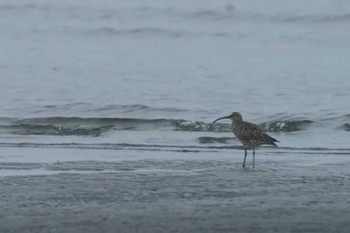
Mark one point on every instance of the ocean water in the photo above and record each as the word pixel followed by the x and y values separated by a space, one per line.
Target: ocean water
pixel 150 77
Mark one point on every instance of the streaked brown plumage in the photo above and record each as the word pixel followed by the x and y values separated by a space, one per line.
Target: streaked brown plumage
pixel 249 134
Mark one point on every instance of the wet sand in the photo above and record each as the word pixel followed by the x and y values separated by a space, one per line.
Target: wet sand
pixel 182 195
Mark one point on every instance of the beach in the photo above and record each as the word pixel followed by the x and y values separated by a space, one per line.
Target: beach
pixel 301 193
pixel 107 110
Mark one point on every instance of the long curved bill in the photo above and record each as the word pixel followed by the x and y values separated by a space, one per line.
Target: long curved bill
pixel 226 117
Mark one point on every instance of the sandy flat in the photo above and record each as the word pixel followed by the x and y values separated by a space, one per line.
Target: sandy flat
pixel 309 195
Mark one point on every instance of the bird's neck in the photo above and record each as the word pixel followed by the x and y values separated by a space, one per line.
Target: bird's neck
pixel 234 124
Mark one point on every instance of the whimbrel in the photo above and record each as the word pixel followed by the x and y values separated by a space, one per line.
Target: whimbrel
pixel 249 134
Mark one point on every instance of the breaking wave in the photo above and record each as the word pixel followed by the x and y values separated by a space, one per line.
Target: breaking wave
pixel 66 126
pixel 346 127
pixel 95 126
pixel 285 126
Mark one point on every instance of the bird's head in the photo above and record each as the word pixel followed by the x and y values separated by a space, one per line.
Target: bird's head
pixel 235 117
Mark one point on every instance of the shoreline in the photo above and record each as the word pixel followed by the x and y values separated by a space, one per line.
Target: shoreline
pixel 182 196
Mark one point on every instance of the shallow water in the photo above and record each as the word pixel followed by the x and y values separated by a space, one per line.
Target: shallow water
pixel 152 77
pixel 107 105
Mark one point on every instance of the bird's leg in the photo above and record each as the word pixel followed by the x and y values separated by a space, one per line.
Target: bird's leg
pixel 253 157
pixel 245 156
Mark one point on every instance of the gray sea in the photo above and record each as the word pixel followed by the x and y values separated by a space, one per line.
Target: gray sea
pixel 88 85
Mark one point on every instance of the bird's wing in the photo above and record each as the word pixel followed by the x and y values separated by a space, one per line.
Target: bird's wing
pixel 249 131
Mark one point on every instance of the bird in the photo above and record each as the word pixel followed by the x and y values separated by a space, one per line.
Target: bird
pixel 249 134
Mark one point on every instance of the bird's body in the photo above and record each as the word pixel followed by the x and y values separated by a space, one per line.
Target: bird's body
pixel 249 134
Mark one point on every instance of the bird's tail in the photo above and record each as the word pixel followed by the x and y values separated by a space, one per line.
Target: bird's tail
pixel 274 144
pixel 273 140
